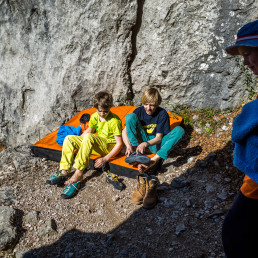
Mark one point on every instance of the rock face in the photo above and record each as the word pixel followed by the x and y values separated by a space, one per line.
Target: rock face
pixel 8 229
pixel 55 55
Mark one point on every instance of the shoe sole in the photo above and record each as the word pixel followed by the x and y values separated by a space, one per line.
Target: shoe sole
pixel 136 158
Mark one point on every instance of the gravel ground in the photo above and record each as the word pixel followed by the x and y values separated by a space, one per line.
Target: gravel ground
pixel 197 186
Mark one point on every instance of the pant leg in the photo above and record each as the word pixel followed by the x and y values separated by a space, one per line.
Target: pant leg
pixel 91 144
pixel 240 228
pixel 134 129
pixel 71 142
pixel 169 141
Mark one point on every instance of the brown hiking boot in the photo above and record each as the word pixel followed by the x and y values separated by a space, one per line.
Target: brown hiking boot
pixel 151 196
pixel 139 193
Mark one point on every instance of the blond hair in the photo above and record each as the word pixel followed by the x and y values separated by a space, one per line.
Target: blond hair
pixel 151 95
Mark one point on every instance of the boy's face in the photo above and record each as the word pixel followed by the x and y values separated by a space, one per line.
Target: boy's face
pixel 250 55
pixel 103 113
pixel 150 108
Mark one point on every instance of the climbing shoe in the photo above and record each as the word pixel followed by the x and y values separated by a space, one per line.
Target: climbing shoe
pixel 57 179
pixel 139 158
pixel 70 190
pixel 113 180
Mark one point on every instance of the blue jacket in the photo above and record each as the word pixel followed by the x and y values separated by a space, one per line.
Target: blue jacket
pixel 65 130
pixel 245 137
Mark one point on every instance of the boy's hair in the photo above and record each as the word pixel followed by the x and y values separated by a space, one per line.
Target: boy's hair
pixel 151 95
pixel 103 99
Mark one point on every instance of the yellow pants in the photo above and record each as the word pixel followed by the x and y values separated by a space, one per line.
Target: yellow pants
pixel 87 145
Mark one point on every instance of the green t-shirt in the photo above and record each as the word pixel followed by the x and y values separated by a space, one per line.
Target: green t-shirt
pixel 109 128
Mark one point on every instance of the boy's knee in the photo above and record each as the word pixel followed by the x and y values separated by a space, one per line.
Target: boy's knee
pixel 87 136
pixel 179 130
pixel 130 117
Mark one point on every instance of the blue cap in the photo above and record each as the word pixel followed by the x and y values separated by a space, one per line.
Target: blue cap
pixel 246 36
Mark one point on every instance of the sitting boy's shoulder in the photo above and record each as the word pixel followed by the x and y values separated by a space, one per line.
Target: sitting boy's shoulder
pixel 113 116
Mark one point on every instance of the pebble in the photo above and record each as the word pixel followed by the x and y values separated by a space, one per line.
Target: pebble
pixel 149 230
pixel 188 203
pixel 223 195
pixel 115 198
pixel 179 183
pixel 190 160
pixel 180 228
pixel 209 188
pixel 224 128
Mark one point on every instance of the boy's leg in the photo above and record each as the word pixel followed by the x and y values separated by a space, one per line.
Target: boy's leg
pixel 169 141
pixel 134 129
pixel 91 144
pixel 71 143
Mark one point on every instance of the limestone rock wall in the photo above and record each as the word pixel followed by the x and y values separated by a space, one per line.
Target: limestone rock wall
pixel 55 55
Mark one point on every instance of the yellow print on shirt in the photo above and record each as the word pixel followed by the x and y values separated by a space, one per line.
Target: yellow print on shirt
pixel 150 128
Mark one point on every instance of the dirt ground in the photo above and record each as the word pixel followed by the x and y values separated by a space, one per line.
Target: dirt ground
pixel 197 185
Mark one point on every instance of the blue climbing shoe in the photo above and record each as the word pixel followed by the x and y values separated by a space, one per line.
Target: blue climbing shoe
pixel 70 190
pixel 57 179
pixel 140 158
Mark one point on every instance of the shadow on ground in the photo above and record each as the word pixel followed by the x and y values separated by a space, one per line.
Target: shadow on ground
pixel 186 222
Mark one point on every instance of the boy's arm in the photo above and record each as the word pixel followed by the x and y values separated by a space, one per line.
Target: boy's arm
pixel 88 130
pixel 119 144
pixel 141 147
pixel 129 147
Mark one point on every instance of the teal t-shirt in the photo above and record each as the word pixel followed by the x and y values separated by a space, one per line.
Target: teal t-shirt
pixel 108 129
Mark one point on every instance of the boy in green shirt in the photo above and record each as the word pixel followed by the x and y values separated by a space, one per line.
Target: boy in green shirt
pixel 107 143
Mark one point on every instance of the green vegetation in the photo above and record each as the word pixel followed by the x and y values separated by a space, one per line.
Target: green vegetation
pixel 249 81
pixel 207 120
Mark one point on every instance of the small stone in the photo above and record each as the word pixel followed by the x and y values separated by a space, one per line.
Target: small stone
pixel 223 195
pixel 224 128
pixel 227 179
pixel 179 183
pixel 190 160
pixel 180 228
pixel 149 230
pixel 48 228
pixel 188 203
pixel 115 198
pixel 216 163
pixel 195 117
pixel 32 217
pixel 209 204
pixel 174 215
pixel 209 188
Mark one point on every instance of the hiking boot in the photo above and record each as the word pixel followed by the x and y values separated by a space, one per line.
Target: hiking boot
pixel 151 196
pixel 57 179
pixel 140 191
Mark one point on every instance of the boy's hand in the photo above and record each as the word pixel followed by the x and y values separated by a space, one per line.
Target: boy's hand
pixel 129 151
pixel 141 148
pixel 100 162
